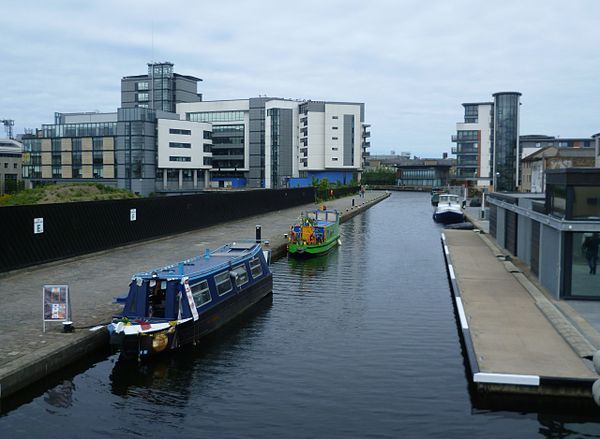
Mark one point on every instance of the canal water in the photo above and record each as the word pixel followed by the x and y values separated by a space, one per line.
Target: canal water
pixel 362 342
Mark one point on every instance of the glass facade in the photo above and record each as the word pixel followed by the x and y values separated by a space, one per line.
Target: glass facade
pixel 161 86
pixel 275 122
pixel 584 259
pixel 228 146
pixel 557 198
pixel 424 176
pixel 506 140
pixel 215 116
pixel 471 113
pixel 586 202
pixel 79 129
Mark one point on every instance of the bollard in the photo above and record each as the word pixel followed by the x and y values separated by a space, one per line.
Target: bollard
pixel 352 202
pixel 258 233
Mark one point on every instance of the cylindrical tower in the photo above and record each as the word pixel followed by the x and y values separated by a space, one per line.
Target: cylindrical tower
pixel 506 141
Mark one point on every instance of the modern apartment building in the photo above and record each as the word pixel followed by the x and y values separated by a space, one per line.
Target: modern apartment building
pixel 488 142
pixel 76 147
pixel 474 139
pixel 11 152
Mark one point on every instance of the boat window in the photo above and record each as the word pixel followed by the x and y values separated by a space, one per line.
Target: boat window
pixel 240 275
pixel 255 267
pixel 223 282
pixel 201 293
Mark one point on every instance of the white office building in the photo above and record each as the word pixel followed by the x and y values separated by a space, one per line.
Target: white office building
pixel 273 142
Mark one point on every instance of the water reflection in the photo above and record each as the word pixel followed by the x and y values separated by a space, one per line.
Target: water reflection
pixel 60 396
pixel 157 379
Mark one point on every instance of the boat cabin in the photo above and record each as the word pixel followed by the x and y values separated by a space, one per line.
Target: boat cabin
pixel 449 199
pixel 170 292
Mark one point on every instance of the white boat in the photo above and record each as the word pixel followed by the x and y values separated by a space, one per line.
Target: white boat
pixel 448 210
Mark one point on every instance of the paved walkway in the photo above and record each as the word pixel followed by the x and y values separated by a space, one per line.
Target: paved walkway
pixel 94 280
pixel 510 330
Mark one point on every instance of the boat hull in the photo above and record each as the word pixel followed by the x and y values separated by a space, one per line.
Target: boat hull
pixel 307 250
pixel 448 217
pixel 149 344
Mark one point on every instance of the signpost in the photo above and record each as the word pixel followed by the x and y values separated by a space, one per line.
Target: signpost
pixel 55 304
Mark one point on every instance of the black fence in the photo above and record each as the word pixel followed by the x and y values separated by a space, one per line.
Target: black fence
pixel 71 229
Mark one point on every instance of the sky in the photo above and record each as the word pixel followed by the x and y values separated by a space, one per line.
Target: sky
pixel 413 63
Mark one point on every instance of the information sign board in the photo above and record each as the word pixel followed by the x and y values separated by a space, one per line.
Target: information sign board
pixel 55 300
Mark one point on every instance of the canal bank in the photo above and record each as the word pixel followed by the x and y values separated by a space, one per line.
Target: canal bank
pixel 28 355
pixel 516 340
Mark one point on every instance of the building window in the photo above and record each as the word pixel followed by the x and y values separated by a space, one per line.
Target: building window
pixel 207 161
pixel 334 149
pixel 334 159
pixel 207 135
pixel 142 85
pixel 334 117
pixel 142 97
pixel 334 128
pixel 334 138
pixel 207 147
pixel 179 145
pixel 179 159
pixel 178 131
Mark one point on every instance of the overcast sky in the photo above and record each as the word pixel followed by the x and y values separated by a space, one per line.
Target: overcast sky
pixel 411 62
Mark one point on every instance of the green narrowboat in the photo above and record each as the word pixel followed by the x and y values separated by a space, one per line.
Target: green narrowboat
pixel 315 233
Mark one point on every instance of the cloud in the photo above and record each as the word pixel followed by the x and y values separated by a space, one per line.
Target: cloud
pixel 412 63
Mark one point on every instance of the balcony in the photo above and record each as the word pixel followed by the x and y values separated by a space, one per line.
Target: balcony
pixel 454 150
pixel 454 137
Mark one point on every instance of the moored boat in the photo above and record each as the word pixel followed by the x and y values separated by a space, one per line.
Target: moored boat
pixel 179 304
pixel 448 210
pixel 315 233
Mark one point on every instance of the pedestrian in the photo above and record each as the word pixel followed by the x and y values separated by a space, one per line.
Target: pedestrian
pixel 362 191
pixel 590 248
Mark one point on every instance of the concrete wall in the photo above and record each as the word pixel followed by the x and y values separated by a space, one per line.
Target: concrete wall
pixel 550 250
pixel 195 139
pixel 524 234
pixel 501 227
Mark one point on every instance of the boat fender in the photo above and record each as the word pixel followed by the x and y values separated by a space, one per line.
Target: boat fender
pixel 340 242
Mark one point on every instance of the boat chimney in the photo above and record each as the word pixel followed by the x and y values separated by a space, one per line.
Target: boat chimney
pixel 258 232
pixel 206 253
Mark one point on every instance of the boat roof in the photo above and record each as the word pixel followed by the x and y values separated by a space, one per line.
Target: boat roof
pixel 321 210
pixel 213 261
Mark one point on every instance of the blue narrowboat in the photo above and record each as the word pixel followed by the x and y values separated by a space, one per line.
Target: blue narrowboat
pixel 179 304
